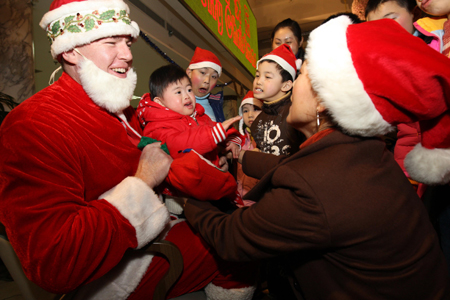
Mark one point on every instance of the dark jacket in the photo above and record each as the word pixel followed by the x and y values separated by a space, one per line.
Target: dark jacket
pixel 272 133
pixel 344 216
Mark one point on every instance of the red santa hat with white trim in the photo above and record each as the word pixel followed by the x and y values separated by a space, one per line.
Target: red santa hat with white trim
pixel 375 75
pixel 205 59
pixel 248 99
pixel 283 56
pixel 72 23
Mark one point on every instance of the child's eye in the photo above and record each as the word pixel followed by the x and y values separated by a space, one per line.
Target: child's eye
pixel 214 77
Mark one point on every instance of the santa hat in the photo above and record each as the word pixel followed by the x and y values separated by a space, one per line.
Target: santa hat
pixel 283 56
pixel 248 99
pixel 72 23
pixel 377 76
pixel 205 59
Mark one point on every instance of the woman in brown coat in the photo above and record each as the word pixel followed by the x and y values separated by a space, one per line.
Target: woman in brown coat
pixel 340 211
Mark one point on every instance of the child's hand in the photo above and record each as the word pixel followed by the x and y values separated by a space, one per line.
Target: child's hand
pixel 234 149
pixel 226 124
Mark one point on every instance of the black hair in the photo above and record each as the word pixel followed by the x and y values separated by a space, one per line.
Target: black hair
pixel 162 77
pixel 354 18
pixel 285 75
pixel 372 5
pixel 296 30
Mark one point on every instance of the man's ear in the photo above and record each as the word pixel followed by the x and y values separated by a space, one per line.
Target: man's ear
pixel 189 72
pixel 71 57
pixel 286 86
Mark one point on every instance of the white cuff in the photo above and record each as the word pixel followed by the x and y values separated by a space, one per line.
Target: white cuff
pixel 137 202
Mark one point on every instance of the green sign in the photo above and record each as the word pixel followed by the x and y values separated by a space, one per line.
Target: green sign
pixel 233 23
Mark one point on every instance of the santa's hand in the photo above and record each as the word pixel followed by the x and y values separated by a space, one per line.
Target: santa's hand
pixel 226 124
pixel 223 164
pixel 154 165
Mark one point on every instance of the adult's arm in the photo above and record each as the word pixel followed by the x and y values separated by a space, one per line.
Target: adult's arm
pixel 286 219
pixel 65 234
pixel 256 164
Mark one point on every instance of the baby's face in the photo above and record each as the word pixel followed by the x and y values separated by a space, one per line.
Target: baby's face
pixel 178 97
pixel 203 80
pixel 249 113
pixel 435 7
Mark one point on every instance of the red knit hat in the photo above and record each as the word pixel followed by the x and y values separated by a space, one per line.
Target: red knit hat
pixel 71 23
pixel 377 76
pixel 283 56
pixel 248 99
pixel 205 59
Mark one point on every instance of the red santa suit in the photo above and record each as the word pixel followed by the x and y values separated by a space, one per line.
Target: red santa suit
pixel 72 207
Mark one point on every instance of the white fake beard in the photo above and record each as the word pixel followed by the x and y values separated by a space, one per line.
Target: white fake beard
pixel 106 90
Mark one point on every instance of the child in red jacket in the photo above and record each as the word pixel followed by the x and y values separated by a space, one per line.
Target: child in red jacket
pixel 169 114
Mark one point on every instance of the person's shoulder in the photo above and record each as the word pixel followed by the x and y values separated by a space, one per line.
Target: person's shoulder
pixel 431 24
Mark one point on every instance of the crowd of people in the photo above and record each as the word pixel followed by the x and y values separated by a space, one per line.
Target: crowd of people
pixel 86 178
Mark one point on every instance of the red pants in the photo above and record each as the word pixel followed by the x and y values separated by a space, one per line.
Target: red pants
pixel 201 266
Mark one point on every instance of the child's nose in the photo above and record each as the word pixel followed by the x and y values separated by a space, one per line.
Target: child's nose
pixel 206 79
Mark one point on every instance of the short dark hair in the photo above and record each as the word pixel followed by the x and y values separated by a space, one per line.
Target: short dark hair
pixel 354 18
pixel 373 5
pixel 162 77
pixel 296 30
pixel 285 75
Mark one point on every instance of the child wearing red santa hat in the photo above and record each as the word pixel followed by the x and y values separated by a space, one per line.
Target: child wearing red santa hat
pixel 272 85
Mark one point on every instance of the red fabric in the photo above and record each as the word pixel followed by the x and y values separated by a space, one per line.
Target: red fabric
pixel 317 136
pixel 202 263
pixel 202 55
pixel 199 179
pixel 446 39
pixel 408 136
pixel 401 91
pixel 177 131
pixel 58 3
pixel 57 159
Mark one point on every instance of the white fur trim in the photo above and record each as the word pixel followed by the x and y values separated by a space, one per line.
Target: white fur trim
pixel 334 77
pixel 214 292
pixel 70 40
pixel 137 202
pixel 120 281
pixel 429 166
pixel 206 64
pixel 106 90
pixel 284 64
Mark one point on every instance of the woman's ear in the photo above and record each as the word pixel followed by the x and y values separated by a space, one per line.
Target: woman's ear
pixel 286 86
pixel 320 107
pixel 300 43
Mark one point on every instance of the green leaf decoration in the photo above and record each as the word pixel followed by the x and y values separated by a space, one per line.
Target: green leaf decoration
pixel 55 28
pixel 126 21
pixel 123 13
pixel 68 19
pixel 73 28
pixel 89 24
pixel 107 15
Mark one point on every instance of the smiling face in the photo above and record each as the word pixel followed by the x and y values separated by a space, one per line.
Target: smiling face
pixel 178 96
pixel 203 80
pixel 268 85
pixel 249 113
pixel 112 54
pixel 391 10
pixel 285 35
pixel 303 111
pixel 435 7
